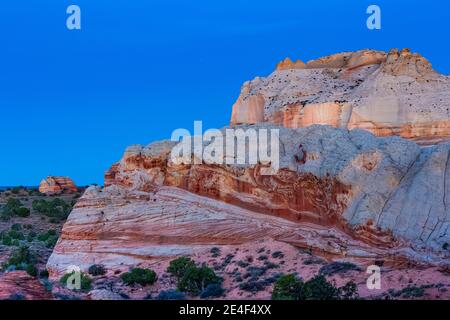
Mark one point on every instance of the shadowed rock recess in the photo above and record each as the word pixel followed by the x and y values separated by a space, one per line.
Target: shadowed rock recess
pixel 348 186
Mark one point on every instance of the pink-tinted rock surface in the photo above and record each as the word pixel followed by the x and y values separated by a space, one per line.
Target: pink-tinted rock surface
pixel 398 93
pixel 341 192
pixel 57 185
pixel 20 285
pixel 353 196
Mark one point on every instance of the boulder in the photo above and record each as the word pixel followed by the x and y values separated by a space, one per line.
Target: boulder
pixel 56 185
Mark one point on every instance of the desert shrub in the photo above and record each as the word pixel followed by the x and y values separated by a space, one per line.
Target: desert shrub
pixel 196 279
pixel 43 273
pixel 13 207
pixel 32 270
pixel 11 237
pixel 179 266
pixel 288 287
pixel 6 240
pixel 16 235
pixel 171 295
pixel 85 280
pixel 22 212
pixel 22 259
pixel 51 242
pixel 16 227
pixel 349 291
pixel 31 235
pixel 337 267
pixel 97 270
pixel 255 272
pixel 409 292
pixel 318 288
pixel 49 238
pixel 213 290
pixel 139 276
pixel 262 258
pixel 191 278
pixel 242 264
pixel 278 255
pixel 16 297
pixel 55 209
pixel 445 246
pixel 215 252
pixel 227 259
pixel 271 265
pixel 314 260
pixel 252 286
pixel 12 204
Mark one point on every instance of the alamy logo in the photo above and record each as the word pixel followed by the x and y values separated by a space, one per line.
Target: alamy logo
pixel 73 22
pixel 239 146
pixel 374 20
pixel 374 280
pixel 74 279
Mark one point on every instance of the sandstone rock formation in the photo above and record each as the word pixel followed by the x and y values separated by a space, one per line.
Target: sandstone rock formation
pixel 398 93
pixel 19 285
pixel 351 195
pixel 57 185
pixel 340 193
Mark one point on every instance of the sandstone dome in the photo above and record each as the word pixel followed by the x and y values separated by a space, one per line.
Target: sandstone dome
pixel 395 93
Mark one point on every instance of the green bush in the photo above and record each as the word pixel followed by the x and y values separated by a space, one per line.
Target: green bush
pixel 338 268
pixel 22 259
pixel 215 251
pixel 179 266
pixel 18 235
pixel 32 270
pixel 171 295
pixel 56 209
pixel 6 240
pixel 139 276
pixel 43 273
pixel 288 287
pixel 196 279
pixel 11 237
pixel 97 270
pixel 16 227
pixel 85 280
pixel 49 238
pixel 31 236
pixel 213 290
pixel 22 212
pixel 193 279
pixel 13 207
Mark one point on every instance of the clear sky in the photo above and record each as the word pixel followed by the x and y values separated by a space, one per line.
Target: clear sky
pixel 71 101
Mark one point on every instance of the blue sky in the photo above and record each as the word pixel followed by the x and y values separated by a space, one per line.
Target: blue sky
pixel 71 101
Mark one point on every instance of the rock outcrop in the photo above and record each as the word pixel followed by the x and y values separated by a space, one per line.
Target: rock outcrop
pixel 342 194
pixel 398 93
pixel 57 185
pixel 18 285
pixel 340 191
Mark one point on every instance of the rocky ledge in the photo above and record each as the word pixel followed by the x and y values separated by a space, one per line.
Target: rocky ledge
pixel 395 93
pixel 57 185
pixel 338 193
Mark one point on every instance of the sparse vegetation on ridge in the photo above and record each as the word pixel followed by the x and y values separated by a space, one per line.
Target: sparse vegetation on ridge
pixel 289 287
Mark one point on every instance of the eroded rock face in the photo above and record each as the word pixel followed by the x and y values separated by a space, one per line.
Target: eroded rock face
pixel 398 93
pixel 339 193
pixel 18 285
pixel 56 185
